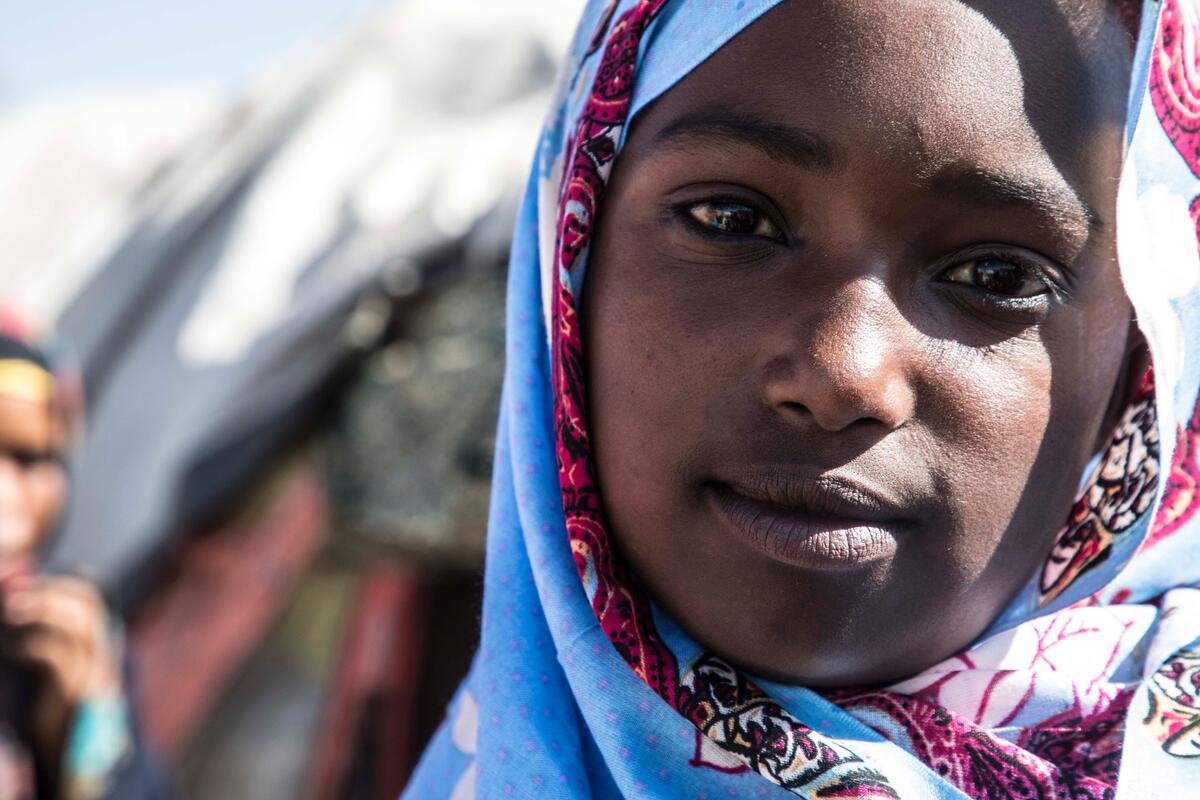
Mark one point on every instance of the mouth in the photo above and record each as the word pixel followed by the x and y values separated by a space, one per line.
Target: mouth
pixel 820 523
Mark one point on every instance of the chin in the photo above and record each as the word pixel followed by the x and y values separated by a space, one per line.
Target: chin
pixel 830 672
pixel 825 660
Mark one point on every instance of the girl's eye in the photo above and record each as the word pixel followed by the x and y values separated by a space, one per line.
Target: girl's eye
pixel 997 276
pixel 27 459
pixel 733 219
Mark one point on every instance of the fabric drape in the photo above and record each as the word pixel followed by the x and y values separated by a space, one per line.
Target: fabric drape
pixel 1086 686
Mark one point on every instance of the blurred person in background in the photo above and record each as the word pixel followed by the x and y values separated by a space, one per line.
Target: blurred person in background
pixel 66 725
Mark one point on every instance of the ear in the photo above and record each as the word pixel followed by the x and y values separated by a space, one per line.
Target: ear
pixel 1134 367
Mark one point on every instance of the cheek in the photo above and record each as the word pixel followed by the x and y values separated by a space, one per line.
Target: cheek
pixel 987 413
pixel 1015 426
pixel 18 513
pixel 661 369
pixel 666 349
pixel 48 489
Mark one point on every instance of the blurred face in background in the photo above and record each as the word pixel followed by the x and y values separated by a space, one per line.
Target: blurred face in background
pixel 32 478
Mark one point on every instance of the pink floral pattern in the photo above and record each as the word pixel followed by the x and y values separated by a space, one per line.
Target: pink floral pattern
pixel 729 709
pixel 993 683
pixel 1174 717
pixel 977 762
pixel 1175 82
pixel 951 717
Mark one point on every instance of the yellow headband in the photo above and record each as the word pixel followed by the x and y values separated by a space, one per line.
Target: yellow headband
pixel 24 380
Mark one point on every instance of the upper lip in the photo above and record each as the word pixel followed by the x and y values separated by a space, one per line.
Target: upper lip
pixel 822 494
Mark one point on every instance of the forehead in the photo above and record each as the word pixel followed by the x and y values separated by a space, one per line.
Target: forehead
pixel 25 424
pixel 924 83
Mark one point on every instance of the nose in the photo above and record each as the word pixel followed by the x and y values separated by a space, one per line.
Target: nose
pixel 843 360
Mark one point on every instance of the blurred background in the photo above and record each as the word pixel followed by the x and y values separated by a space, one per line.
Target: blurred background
pixel 274 236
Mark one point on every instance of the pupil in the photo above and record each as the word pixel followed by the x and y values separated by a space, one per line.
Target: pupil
pixel 22 458
pixel 999 277
pixel 732 218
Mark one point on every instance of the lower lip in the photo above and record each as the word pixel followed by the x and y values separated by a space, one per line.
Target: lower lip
pixel 803 539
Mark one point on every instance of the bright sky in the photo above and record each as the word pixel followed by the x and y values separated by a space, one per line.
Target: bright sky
pixel 49 46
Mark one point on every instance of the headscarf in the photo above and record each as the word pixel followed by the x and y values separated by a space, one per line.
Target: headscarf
pixel 23 375
pixel 39 368
pixel 100 758
pixel 1086 686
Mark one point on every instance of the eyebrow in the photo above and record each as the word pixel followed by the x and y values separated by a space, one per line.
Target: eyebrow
pixel 1058 204
pixel 984 188
pixel 774 139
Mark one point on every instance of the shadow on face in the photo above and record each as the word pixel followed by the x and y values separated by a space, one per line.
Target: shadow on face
pixel 854 325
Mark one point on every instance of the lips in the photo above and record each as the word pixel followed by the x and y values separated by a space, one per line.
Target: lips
pixel 810 521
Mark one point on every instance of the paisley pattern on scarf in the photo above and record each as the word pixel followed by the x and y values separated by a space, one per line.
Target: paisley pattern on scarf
pixel 1180 497
pixel 976 762
pixel 623 611
pixel 743 721
pixel 1175 83
pixel 1174 717
pixel 1175 89
pixel 1117 495
pixel 983 692
pixel 724 705
pixel 1082 744
pixel 597 693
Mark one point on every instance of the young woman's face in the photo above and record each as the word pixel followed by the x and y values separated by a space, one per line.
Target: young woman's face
pixel 854 325
pixel 32 485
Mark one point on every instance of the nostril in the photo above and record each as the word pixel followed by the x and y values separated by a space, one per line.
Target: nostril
pixel 838 408
pixel 850 364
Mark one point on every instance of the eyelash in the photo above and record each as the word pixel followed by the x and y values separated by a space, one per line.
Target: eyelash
pixel 27 459
pixel 684 213
pixel 1056 280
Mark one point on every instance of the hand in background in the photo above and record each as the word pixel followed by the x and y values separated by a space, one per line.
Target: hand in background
pixel 58 626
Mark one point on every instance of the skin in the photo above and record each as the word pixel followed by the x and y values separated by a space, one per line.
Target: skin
pixel 30 495
pixel 868 243
pixel 56 626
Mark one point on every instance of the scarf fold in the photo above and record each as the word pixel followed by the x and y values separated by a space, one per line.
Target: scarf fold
pixel 1086 686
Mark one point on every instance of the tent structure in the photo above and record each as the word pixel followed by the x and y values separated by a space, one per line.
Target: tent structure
pixel 223 289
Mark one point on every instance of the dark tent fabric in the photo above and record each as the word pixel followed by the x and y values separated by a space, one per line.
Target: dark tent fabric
pixel 268 254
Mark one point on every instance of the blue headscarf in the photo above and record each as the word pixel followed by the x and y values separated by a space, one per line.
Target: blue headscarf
pixel 582 688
